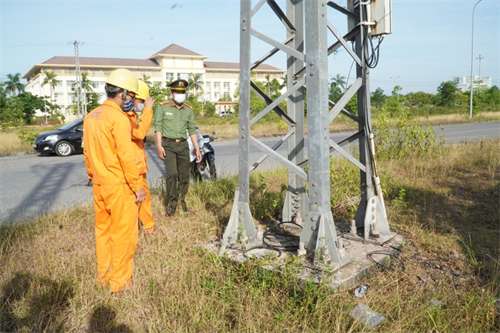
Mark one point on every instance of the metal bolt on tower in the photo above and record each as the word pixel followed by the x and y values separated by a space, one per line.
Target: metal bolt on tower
pixel 307 49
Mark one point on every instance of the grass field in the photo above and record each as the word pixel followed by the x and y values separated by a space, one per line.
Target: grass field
pixel 444 202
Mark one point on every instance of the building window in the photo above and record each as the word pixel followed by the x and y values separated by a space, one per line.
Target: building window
pixel 227 86
pixel 208 86
pixel 182 76
pixel 71 85
pixel 95 72
pixel 217 86
pixel 169 76
pixel 216 96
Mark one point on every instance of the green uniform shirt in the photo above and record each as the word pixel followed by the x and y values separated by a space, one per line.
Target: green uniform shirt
pixel 173 122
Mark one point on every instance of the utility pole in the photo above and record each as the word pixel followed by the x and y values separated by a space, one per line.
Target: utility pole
pixel 479 80
pixel 78 77
pixel 472 61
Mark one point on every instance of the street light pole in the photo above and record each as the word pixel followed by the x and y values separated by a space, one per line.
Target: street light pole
pixel 472 61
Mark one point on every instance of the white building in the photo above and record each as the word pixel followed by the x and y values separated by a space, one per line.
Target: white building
pixel 171 63
pixel 463 82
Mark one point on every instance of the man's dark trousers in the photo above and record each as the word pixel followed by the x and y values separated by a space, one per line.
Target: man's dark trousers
pixel 177 165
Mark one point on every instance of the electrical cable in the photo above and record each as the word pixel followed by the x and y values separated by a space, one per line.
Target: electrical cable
pixel 261 247
pixel 268 233
pixel 389 267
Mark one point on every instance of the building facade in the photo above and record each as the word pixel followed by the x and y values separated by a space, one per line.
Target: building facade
pixel 218 79
pixel 463 82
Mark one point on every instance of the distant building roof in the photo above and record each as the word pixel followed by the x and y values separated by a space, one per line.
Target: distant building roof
pixel 174 49
pixel 112 62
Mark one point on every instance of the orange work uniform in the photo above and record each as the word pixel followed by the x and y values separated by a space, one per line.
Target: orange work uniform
pixel 111 165
pixel 139 131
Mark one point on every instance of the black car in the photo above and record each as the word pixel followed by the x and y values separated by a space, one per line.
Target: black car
pixel 63 141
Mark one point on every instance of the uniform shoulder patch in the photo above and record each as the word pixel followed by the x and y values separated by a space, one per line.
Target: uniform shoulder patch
pixel 189 106
pixel 164 102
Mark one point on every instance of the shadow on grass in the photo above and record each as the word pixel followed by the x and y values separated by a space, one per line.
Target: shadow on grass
pixel 104 320
pixel 34 303
pixel 469 206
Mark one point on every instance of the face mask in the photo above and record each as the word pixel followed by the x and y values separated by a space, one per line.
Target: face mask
pixel 140 107
pixel 179 98
pixel 128 105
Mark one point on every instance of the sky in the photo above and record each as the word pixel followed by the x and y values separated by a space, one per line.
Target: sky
pixel 430 42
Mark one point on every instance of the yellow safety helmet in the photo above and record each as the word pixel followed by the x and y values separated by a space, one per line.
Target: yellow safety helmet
pixel 142 91
pixel 123 78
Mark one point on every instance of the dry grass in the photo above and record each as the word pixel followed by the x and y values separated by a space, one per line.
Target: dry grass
pixel 458 118
pixel 10 143
pixel 227 128
pixel 448 211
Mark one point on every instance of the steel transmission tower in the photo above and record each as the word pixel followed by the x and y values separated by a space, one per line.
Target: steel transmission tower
pixel 307 49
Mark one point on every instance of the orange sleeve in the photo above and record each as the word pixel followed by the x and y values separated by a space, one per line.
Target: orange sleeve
pixel 139 130
pixel 86 153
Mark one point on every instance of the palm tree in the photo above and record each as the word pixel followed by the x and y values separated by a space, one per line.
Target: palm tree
pixel 195 82
pixel 86 87
pixel 268 84
pixel 338 82
pixel 51 80
pixel 14 86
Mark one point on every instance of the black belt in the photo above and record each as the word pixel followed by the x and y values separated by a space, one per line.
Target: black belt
pixel 174 140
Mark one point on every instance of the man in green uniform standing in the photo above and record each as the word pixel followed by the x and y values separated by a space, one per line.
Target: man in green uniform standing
pixel 173 120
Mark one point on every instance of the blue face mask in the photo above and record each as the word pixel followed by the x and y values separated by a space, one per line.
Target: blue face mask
pixel 140 107
pixel 128 105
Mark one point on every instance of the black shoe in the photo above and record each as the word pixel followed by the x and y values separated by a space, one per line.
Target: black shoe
pixel 184 208
pixel 171 211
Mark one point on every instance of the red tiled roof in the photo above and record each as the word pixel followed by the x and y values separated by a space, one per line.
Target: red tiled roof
pixel 177 50
pixel 112 62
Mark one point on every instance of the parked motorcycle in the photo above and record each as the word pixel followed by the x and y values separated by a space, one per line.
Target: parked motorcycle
pixel 205 169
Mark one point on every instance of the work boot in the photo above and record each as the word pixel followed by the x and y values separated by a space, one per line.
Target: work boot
pixel 171 210
pixel 184 207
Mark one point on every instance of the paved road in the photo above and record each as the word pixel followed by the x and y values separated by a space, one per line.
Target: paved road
pixel 34 184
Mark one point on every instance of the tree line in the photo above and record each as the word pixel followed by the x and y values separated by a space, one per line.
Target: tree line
pixel 18 107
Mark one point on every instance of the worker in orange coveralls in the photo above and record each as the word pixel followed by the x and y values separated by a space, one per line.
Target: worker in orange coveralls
pixel 117 186
pixel 144 104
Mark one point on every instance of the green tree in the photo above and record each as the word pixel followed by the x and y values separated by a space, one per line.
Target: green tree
pixel 447 93
pixel 52 81
pixel 30 103
pixel 158 93
pixel 13 85
pixel 378 98
pixel 396 90
pixel 209 109
pixel 493 97
pixel 267 85
pixel 93 101
pixel 419 98
pixel 338 82
pixel 146 80
pixel 195 83
pixel 86 88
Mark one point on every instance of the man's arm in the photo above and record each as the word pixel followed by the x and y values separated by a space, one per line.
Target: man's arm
pixel 194 140
pixel 159 147
pixel 140 130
